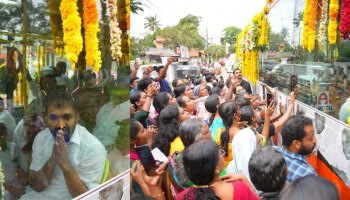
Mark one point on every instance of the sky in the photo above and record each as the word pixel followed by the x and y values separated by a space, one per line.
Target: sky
pixel 215 14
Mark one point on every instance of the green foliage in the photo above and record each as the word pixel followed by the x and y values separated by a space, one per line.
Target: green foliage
pixel 344 51
pixel 276 38
pixel 230 34
pixel 135 6
pixel 152 23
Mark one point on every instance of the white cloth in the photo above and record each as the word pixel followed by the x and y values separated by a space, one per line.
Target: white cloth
pixel 20 139
pixel 200 106
pixel 243 145
pixel 106 129
pixel 118 163
pixel 7 119
pixel 86 153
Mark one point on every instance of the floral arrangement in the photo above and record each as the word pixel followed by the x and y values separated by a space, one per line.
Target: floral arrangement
pixel 321 37
pixel 55 21
pixel 2 181
pixel 344 26
pixel 93 54
pixel 312 25
pixel 249 42
pixel 115 32
pixel 123 16
pixel 73 41
pixel 333 23
pixel 306 20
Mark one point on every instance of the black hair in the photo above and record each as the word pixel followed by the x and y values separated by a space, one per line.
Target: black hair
pixel 208 89
pixel 228 82
pixel 241 100
pixel 132 80
pixel 174 82
pixel 226 112
pixel 268 171
pixel 293 129
pixel 180 90
pixel 135 97
pixel 310 187
pixel 211 104
pixel 3 127
pixel 168 128
pixel 144 83
pixel 134 129
pixel 59 99
pixel 181 102
pixel 221 84
pixel 160 101
pixel 197 81
pixel 236 69
pixel 215 91
pixel 200 160
pixel 159 68
pixel 208 77
pixel 191 130
pixel 247 114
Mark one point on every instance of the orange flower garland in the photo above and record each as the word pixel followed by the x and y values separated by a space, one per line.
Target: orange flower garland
pixel 93 54
pixel 73 41
pixel 305 34
pixel 312 25
pixel 333 24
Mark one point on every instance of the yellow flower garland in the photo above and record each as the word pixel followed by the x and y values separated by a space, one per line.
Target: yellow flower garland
pixel 306 20
pixel 333 23
pixel 321 37
pixel 93 54
pixel 73 41
pixel 312 25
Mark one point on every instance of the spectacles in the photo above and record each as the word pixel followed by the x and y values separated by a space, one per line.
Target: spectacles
pixel 222 152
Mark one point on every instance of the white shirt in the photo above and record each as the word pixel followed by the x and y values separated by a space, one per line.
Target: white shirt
pixel 106 130
pixel 86 153
pixel 243 145
pixel 7 119
pixel 20 140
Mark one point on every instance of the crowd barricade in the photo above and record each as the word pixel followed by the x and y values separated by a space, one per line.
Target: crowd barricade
pixel 332 160
pixel 116 188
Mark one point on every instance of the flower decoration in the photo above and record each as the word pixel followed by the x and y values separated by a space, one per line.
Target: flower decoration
pixel 73 41
pixel 93 54
pixel 321 37
pixel 344 26
pixel 306 20
pixel 333 23
pixel 2 181
pixel 115 32
pixel 312 25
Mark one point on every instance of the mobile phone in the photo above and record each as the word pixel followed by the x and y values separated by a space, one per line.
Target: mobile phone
pixel 268 99
pixel 147 159
pixel 154 68
pixel 175 58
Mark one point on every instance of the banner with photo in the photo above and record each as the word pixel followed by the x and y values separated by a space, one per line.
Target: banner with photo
pixel 333 144
pixel 118 188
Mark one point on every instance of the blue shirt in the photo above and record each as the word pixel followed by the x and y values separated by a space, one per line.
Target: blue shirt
pixel 165 86
pixel 298 167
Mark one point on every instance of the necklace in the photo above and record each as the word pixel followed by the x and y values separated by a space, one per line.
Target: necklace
pixel 206 186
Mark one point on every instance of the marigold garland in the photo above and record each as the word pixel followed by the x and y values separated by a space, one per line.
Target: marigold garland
pixel 312 25
pixel 306 20
pixel 249 42
pixel 344 26
pixel 333 23
pixel 93 54
pixel 73 41
pixel 115 32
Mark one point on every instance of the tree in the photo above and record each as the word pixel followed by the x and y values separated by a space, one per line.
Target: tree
pixel 135 6
pixel 230 34
pixel 152 23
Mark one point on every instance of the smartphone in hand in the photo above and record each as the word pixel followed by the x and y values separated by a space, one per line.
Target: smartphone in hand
pixel 147 159
pixel 175 58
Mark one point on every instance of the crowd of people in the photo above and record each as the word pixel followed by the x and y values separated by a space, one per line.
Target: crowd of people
pixel 71 138
pixel 221 140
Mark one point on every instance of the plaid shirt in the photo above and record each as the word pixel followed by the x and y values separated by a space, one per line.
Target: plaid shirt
pixel 297 165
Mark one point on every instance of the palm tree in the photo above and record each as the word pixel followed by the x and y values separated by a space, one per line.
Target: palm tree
pixel 135 6
pixel 152 23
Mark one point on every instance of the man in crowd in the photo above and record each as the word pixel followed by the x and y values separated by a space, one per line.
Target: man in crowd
pixel 245 84
pixel 67 159
pixel 298 140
